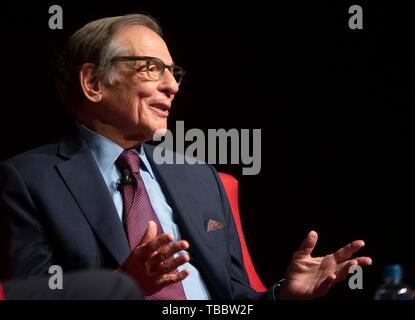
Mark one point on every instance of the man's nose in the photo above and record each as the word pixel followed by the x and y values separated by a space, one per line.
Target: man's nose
pixel 168 83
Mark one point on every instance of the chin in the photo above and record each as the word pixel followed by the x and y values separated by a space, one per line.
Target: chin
pixel 158 129
pixel 159 133
pixel 160 125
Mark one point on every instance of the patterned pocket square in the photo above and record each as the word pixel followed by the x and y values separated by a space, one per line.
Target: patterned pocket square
pixel 213 225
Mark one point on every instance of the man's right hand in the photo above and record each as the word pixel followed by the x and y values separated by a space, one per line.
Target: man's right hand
pixel 152 261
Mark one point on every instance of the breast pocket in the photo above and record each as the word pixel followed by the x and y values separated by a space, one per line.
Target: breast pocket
pixel 216 233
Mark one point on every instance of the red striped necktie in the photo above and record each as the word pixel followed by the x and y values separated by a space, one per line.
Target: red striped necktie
pixel 138 211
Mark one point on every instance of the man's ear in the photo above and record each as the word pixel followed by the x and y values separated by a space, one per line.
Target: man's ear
pixel 90 84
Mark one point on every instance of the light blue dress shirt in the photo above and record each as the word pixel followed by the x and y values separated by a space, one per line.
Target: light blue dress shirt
pixel 106 153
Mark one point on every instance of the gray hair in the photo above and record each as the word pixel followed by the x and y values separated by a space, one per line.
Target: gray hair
pixel 95 43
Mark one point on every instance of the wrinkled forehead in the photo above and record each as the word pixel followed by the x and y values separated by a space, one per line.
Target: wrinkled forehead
pixel 142 41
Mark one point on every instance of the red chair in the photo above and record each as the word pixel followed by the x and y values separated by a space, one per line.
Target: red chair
pixel 231 189
pixel 2 296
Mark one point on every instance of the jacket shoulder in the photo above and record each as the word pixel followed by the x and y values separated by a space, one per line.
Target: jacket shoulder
pixel 43 154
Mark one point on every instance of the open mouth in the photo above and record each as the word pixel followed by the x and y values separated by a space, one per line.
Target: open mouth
pixel 160 110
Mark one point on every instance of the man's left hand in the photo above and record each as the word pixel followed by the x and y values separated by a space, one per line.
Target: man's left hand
pixel 309 277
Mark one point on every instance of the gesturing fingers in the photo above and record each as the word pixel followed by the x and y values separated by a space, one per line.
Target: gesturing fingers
pixel 326 284
pixel 364 261
pixel 146 251
pixel 308 244
pixel 171 278
pixel 344 267
pixel 165 254
pixel 151 232
pixel 171 265
pixel 347 251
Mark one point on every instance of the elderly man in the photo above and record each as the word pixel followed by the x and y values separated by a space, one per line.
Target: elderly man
pixel 97 199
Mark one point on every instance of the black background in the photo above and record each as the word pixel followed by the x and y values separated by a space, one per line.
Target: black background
pixel 334 106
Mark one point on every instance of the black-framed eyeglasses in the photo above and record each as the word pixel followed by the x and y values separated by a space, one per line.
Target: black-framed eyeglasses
pixel 154 67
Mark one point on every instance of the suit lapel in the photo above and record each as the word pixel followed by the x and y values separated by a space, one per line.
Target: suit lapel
pixel 84 180
pixel 176 189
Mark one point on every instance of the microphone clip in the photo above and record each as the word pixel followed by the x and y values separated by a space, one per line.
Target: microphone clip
pixel 126 177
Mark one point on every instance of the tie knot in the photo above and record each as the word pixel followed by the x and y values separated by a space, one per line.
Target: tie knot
pixel 129 160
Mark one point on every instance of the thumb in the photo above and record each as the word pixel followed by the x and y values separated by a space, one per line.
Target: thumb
pixel 151 232
pixel 308 244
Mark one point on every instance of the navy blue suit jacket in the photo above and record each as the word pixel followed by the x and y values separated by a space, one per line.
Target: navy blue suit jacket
pixel 59 211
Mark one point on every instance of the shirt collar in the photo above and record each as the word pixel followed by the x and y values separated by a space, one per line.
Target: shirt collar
pixel 106 151
pixel 145 164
